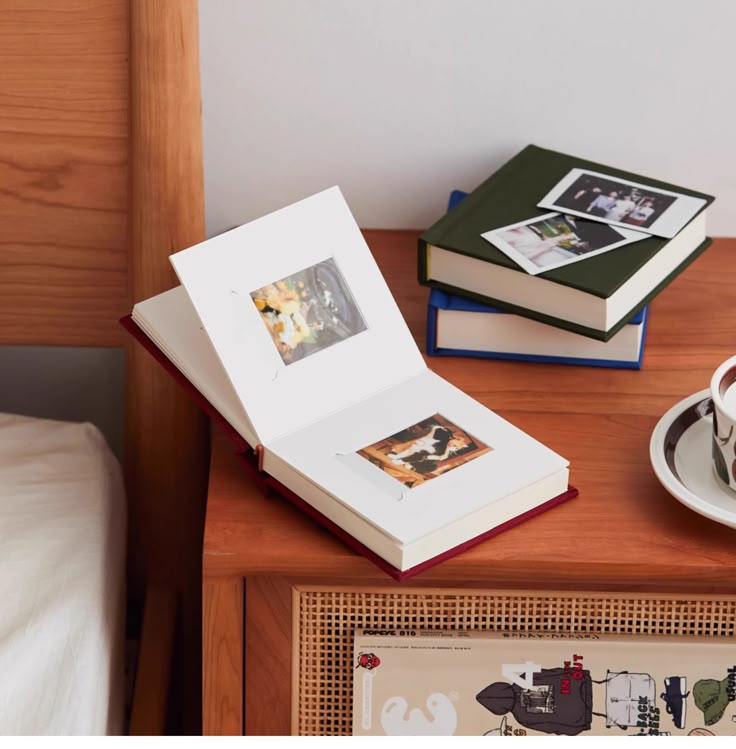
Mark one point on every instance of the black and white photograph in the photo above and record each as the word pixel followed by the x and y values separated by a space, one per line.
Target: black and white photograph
pixel 550 241
pixel 603 198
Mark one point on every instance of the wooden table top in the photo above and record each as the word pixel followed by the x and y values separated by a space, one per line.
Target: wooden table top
pixel 624 531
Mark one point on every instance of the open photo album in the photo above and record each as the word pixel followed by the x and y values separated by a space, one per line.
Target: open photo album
pixel 286 328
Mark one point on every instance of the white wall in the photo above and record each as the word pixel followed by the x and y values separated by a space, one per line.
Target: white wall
pixel 398 101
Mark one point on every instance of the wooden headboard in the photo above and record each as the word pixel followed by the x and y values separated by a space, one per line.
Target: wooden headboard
pixel 64 173
pixel 101 174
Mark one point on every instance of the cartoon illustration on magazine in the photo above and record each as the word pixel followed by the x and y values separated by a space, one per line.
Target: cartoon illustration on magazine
pixel 560 700
pixel 630 700
pixel 712 697
pixel 442 720
pixel 546 700
pixel 368 661
pixel 504 729
pixel 675 699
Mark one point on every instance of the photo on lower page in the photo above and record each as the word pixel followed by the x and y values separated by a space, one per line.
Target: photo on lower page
pixel 424 451
pixel 309 311
pixel 550 241
pixel 613 200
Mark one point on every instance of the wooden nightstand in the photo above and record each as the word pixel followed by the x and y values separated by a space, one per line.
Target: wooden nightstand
pixel 281 596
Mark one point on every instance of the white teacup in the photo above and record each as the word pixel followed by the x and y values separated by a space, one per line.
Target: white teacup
pixel 723 392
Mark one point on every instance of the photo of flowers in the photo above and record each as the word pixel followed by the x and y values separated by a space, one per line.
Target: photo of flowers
pixel 308 311
pixel 424 451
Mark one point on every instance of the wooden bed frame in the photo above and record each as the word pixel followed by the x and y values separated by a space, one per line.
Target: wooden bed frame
pixel 101 165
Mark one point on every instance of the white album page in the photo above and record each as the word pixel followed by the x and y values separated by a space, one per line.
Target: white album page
pixel 414 458
pixel 298 314
pixel 170 321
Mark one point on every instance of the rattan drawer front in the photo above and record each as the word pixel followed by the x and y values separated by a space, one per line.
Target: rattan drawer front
pixel 325 618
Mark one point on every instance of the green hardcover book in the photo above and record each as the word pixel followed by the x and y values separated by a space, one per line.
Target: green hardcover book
pixel 595 296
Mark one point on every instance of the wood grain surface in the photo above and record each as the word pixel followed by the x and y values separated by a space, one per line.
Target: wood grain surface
pixel 63 172
pixel 167 450
pixel 222 648
pixel 267 656
pixel 623 532
pixel 155 660
pixel 167 434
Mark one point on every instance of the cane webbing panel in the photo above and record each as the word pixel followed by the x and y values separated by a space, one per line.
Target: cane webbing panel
pixel 325 621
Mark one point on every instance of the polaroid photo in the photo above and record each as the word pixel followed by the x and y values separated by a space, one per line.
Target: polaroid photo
pixel 308 311
pixel 424 451
pixel 550 241
pixel 620 202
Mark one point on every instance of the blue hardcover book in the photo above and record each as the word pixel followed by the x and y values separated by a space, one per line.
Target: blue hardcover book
pixel 460 327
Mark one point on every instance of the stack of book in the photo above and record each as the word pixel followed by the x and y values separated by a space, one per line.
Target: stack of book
pixel 555 259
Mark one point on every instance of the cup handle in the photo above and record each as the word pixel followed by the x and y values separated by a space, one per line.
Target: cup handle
pixel 719 462
pixel 723 441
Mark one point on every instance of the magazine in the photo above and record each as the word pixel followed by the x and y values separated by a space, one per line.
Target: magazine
pixel 412 682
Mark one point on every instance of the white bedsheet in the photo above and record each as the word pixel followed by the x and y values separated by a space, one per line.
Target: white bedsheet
pixel 62 579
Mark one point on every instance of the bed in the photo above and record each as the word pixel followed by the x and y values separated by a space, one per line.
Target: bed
pixel 62 579
pixel 100 158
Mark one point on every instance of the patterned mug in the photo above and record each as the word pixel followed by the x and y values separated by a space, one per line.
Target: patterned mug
pixel 723 393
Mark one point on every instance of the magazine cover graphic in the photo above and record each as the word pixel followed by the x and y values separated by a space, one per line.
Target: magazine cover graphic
pixel 368 661
pixel 308 311
pixel 424 451
pixel 534 683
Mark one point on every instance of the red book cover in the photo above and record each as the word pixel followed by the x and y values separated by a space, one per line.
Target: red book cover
pixel 250 456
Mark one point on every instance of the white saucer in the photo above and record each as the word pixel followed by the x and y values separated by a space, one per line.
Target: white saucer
pixel 680 451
